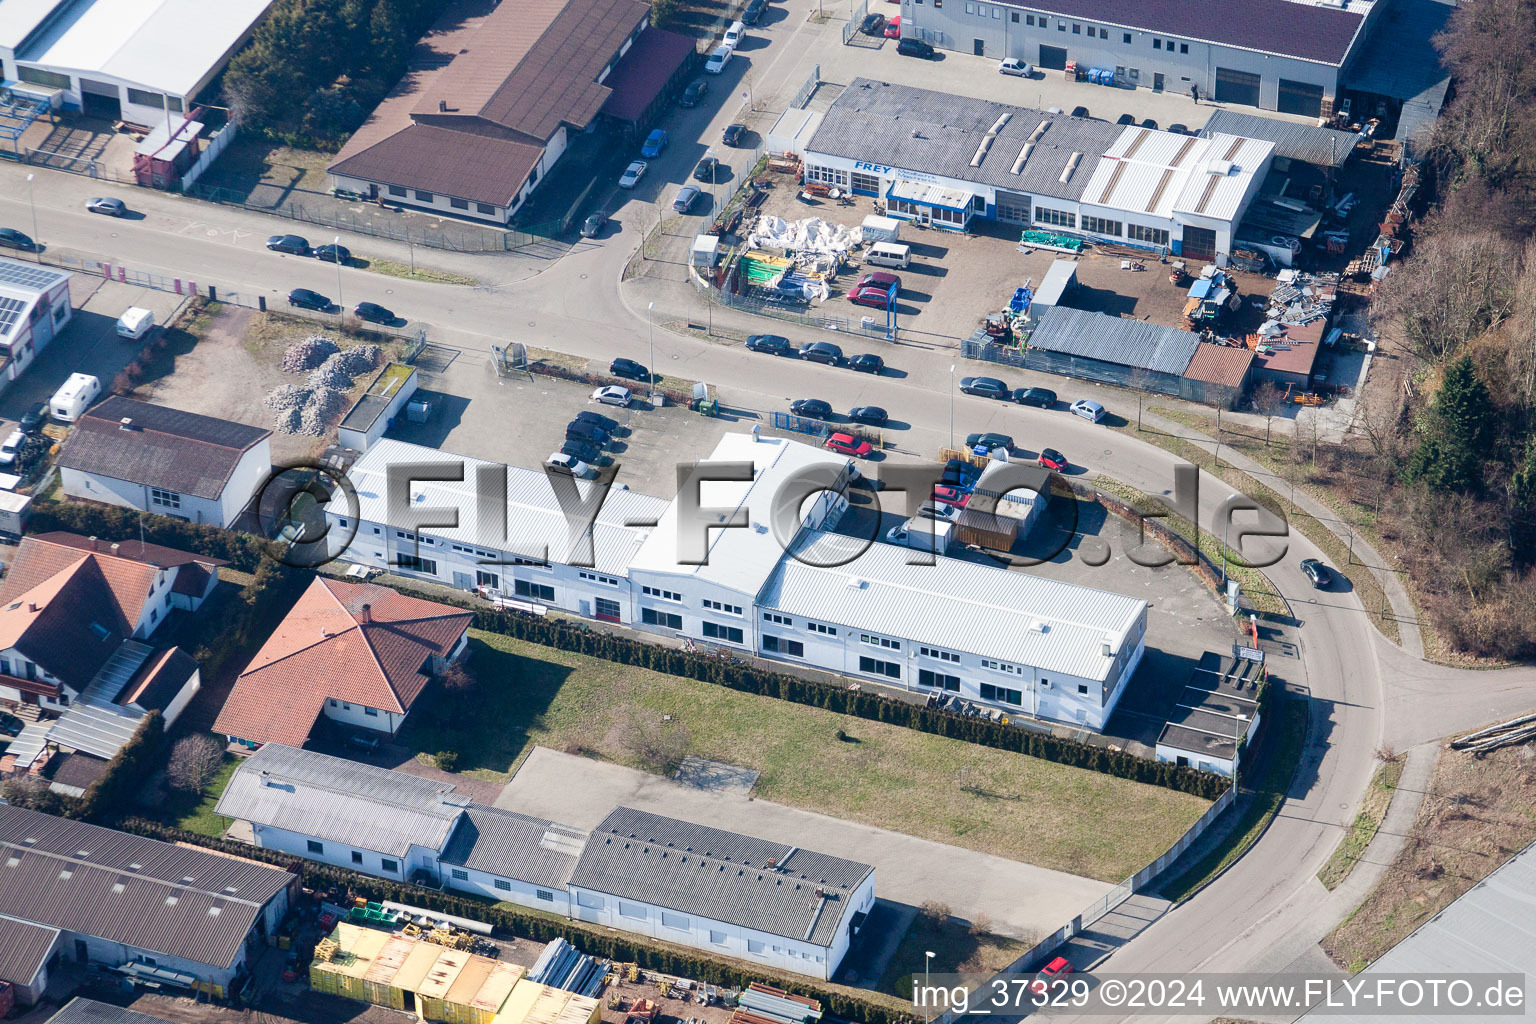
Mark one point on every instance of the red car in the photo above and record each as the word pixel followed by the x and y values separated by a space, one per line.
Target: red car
pixel 893 28
pixel 874 290
pixel 947 495
pixel 1050 458
pixel 847 444
pixel 1049 973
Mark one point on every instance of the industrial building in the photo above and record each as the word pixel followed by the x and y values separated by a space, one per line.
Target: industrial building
pixel 766 587
pixel 34 307
pixel 182 918
pixel 777 905
pixel 140 61
pixel 944 160
pixel 1214 717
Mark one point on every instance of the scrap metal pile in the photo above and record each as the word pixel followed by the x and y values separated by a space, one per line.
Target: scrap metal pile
pixel 1299 299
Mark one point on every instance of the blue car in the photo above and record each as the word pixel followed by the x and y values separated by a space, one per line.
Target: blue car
pixel 654 143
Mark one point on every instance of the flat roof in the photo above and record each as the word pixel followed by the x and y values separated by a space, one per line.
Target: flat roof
pixel 1114 339
pixel 371 405
pixel 165 45
pixel 1215 709
pixel 20 18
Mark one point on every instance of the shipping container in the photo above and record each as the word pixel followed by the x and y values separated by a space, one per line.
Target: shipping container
pixel 379 981
pixel 493 994
pixel 414 971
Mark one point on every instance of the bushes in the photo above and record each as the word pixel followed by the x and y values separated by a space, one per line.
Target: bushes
pixel 105 798
pixel 116 523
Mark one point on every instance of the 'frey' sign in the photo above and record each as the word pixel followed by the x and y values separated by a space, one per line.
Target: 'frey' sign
pixel 886 171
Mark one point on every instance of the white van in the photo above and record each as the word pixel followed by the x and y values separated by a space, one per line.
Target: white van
pixel 889 254
pixel 74 397
pixel 719 59
pixel 135 323
pixel 733 34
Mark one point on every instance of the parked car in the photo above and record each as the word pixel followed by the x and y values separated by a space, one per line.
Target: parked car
pixel 632 174
pixel 733 34
pixel 296 245
pixel 940 512
pixel 1149 123
pixel 304 298
pixel 847 444
pixel 654 144
pixel 1014 66
pixel 773 344
pixel 707 170
pixel 107 206
pixel 958 473
pixel 598 420
pixel 374 313
pixel 33 419
pixel 10 450
pixel 683 201
pixel 1317 572
pixel 560 462
pixel 988 441
pixel 10 238
pixel 873 24
pixel 1088 410
pixel 867 362
pixel 753 11
pixel 1041 986
pixel 822 352
pixel 718 60
pixel 874 289
pixel 893 28
pixel 948 494
pixel 612 395
pixel 333 253
pixel 871 414
pixel 811 408
pixel 622 367
pixel 1079 111
pixel 1050 458
pixel 10 725
pixel 732 134
pixel 1126 119
pixel 1180 129
pixel 1042 397
pixel 911 47
pixel 587 433
pixel 581 451
pixel 593 225
pixel 986 387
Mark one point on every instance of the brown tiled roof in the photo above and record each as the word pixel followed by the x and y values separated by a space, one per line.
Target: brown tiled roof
pixel 158 680
pixel 479 168
pixel 179 451
pixel 138 551
pixel 1220 364
pixel 643 70
pixel 327 646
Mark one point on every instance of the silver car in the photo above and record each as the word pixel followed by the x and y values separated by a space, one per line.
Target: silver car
pixel 108 206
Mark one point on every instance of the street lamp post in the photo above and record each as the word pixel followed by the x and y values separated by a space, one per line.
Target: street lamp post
pixel 336 252
pixel 951 405
pixel 714 181
pixel 37 245
pixel 928 956
pixel 651 331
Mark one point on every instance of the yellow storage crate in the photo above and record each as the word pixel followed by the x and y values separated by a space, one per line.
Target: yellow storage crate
pixel 379 981
pixel 493 994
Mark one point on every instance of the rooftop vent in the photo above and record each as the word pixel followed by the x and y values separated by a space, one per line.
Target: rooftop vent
pixel 1220 167
pixel 1039 626
pixel 857 583
pixel 118 887
pixel 66 874
pixel 171 901
pixel 126 423
pixel 366 612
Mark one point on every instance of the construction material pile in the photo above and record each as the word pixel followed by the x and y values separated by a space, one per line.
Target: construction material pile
pixel 340 370
pixel 565 967
pixel 310 408
pixel 1299 299
pixel 812 235
pixel 309 353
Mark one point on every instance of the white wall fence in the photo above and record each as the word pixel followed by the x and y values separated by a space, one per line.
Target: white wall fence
pixel 209 154
pixel 1037 954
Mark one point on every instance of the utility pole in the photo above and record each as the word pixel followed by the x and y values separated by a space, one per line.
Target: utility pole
pixel 37 244
pixel 951 405
pixel 651 330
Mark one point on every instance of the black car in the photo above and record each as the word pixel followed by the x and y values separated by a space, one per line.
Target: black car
pixel 588 433
pixel 1043 397
pixel 1079 111
pixel 295 244
pixel 1126 119
pixel 866 362
pixel 871 414
pixel 622 367
pixel 694 93
pixel 873 24
pixel 374 313
pixel 773 344
pixel 986 387
pixel 13 239
pixel 753 12
pixel 593 224
pixel 958 473
pixel 1180 129
pixel 811 408
pixel 989 440
pixel 732 134
pixel 1317 572
pixel 598 420
pixel 822 352
pixel 33 419
pixel 707 170
pixel 910 47
pixel 306 299
pixel 333 253
pixel 582 451
pixel 1149 123
pixel 10 725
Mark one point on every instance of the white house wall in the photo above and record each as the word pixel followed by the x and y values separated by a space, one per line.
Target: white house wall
pixel 268 837
pixel 110 491
pixel 115 954
pixel 249 474
pixel 524 894
pixel 182 698
pixel 357 715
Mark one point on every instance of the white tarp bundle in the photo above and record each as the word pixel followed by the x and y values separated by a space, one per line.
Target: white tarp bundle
pixel 812 234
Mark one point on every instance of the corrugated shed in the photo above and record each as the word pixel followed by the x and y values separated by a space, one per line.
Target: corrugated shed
pixel 1112 339
pixel 1160 173
pixel 24 948
pixel 88 1011
pixel 1309 143
pixel 515 845
pixel 1220 364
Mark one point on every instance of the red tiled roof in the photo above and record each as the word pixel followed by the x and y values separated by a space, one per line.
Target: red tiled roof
pixel 640 74
pixel 158 680
pixel 327 646
pixel 1220 364
pixel 1305 341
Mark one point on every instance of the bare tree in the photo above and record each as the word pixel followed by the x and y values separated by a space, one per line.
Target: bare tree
pixel 1269 399
pixel 458 682
pixel 195 760
pixel 660 746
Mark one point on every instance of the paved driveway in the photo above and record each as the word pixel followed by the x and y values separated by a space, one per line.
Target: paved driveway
pixel 1021 899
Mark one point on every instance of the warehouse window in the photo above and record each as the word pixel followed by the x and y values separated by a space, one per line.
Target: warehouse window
pixel 671 920
pixel 1029 19
pixel 142 98
pixel 425 565
pixel 607 581
pixel 606 610
pixel 1001 694
pixel 720 606
pixel 1001 666
pixel 1061 26
pixel 938 680
pixel 816 627
pixel 1103 33
pixel 634 911
pixel 652 617
pixel 459 204
pixel 718 938
pixel 460 876
pixel 1100 226
pixel 1077 29
pixel 424 197
pixel 880 641
pixel 1060 218
pixel 159 496
pixel 357 857
pixel 487 579
pixel 545 895
pixel 730 634
pixel 782 620
pixel 485 208
pixel 37 76
pixel 827 175
pixel 934 652
pixel 1157 44
pixel 754 946
pixel 371 712
pixel 537 591
pixel 782 645
pixel 315 847
pixel 1125 37
pixel 665 595
pixel 1152 236
pixel 1082 687
pixel 502 884
pixel 1015 17
pixel 880 668
pixel 396 190
pixel 590 900
pixel 389 865
pixel 1183 47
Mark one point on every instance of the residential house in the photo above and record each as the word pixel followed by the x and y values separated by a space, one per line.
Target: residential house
pixel 357 653
pixel 34 307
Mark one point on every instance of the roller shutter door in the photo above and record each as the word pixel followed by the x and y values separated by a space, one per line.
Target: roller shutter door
pixel 1199 243
pixel 1300 98
pixel 1012 207
pixel 1052 58
pixel 1237 87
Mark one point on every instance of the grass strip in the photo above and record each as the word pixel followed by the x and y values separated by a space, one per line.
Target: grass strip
pixel 391 268
pixel 1373 810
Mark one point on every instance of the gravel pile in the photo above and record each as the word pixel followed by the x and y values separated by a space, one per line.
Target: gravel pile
pixel 323 407
pixel 288 421
pixel 341 369
pixel 287 396
pixel 309 353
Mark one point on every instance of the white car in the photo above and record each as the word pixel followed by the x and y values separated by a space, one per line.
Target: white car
pixel 733 35
pixel 563 463
pixel 1014 66
pixel 12 447
pixel 1091 411
pixel 718 60
pixel 632 174
pixel 612 395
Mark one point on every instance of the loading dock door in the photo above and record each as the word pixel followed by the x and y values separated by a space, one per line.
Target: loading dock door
pixel 1300 98
pixel 1052 58
pixel 1237 87
pixel 1199 243
pixel 1012 207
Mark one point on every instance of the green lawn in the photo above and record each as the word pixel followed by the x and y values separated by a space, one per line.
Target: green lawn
pixel 194 812
pixel 958 949
pixel 1007 804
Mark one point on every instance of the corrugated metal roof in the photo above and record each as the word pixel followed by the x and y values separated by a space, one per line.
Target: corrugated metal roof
pixel 937 133
pixel 516 846
pixel 1308 143
pixel 534 520
pixel 1490 928
pixel 1162 174
pixel 955 604
pixel 331 798
pixel 723 876
pixel 123 888
pixel 88 1011
pixel 1113 339
pixel 24 948
pixel 1400 59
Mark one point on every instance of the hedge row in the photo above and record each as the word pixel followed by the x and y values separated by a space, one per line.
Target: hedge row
pixel 113 522
pixel 535 927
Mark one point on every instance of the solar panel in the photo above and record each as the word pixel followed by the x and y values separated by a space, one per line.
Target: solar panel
pixel 28 275
pixel 10 312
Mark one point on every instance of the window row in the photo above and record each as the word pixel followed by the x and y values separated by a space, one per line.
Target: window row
pixel 934 652
pixel 1152 236
pixel 730 634
pixel 1101 226
pixel 826 175
pixel 596 577
pixel 775 617
pixel 1060 218
pixel 783 645
pixel 880 641
pixel 534 591
pixel 890 669
pixel 423 196
pixel 665 595
pixel 668 620
pixel 720 606
pixel 938 680
pixel 318 848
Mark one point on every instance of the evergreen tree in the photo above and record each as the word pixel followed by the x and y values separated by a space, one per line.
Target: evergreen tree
pixel 1522 513
pixel 1454 431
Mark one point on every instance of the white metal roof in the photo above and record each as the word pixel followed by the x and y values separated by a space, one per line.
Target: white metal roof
pixel 19 17
pixel 1160 174
pixel 22 286
pixel 742 558
pixel 959 605
pixel 165 45
pixel 534 521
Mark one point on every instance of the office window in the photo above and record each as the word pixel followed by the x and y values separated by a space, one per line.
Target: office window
pixel 536 591
pixel 730 634
pixel 783 620
pixel 487 579
pixel 1001 694
pixel 1125 37
pixel 1060 218
pixel 1183 47
pixel 417 563
pixel 666 595
pixel 169 499
pixel 315 847
pixel 1100 226
pixel 389 865
pixel 1157 44
pixel 357 857
pixel 720 606
pixel 424 197
pixel 879 668
pixel 718 938
pixel 1082 687
pixel 633 911
pixel 459 204
pixel 371 712
pixel 934 652
pixel 1061 26
pixel 590 900
pixel 938 680
pixel 460 875
pixel 754 946
pixel 1029 19
pixel 545 895
pixel 396 190
pixel 502 884
pixel 485 208
pixel 1153 236
pixel 1077 29
pixel 595 577
pixel 816 627
pixel 997 12
pixel 1015 15
pixel 880 641
pixel 651 617
pixel 671 920
pixel 782 645
pixel 970 8
pixel 1103 33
